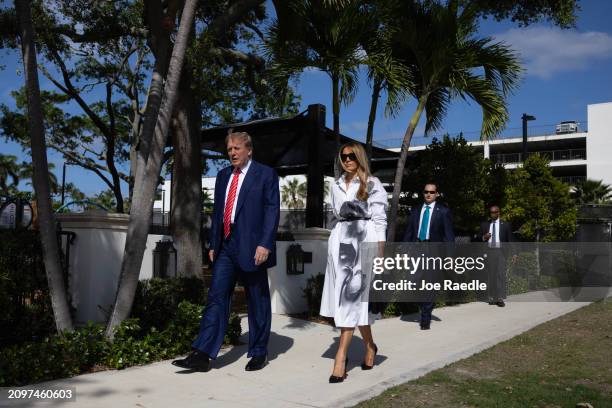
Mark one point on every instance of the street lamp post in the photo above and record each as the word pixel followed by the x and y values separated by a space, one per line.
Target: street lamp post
pixel 66 163
pixel 525 119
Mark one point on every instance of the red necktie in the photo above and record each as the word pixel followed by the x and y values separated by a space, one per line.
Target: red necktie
pixel 229 204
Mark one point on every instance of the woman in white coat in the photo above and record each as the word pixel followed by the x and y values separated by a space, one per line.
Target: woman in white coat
pixel 359 203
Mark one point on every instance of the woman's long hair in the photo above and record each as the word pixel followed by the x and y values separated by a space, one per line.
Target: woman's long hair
pixel 363 168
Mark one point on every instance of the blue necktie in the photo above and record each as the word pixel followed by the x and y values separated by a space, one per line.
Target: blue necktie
pixel 424 223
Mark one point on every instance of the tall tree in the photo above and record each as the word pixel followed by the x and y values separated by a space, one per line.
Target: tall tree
pixel 437 43
pixel 324 35
pixel 144 194
pixel 57 290
pixel 525 12
pixel 538 204
pixel 592 192
pixel 293 194
pixel 467 181
pixel 9 169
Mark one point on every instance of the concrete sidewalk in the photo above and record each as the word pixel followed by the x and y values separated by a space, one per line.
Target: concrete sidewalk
pixel 301 358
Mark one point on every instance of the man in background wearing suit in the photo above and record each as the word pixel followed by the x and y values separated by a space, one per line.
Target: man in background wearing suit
pixel 429 222
pixel 242 246
pixel 494 232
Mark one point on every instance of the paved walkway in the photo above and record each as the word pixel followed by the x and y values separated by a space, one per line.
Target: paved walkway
pixel 301 358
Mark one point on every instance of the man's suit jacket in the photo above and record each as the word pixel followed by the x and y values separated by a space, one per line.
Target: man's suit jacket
pixel 440 226
pixel 256 218
pixel 505 231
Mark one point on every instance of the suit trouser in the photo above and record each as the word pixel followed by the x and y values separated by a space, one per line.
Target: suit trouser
pixel 216 313
pixel 497 281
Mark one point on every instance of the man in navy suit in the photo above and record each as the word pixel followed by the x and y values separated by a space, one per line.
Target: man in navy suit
pixel 429 222
pixel 242 246
pixel 494 232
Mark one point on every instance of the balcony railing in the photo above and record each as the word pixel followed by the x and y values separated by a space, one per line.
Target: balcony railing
pixel 552 155
pixel 571 180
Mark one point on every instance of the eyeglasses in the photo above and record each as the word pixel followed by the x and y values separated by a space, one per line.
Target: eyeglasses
pixel 350 156
pixel 429 192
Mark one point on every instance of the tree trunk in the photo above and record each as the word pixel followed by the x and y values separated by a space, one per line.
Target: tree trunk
pixel 186 208
pixel 401 163
pixel 144 193
pixel 372 118
pixel 336 114
pixel 46 222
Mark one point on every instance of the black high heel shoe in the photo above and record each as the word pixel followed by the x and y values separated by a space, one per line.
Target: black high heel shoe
pixel 364 366
pixel 335 379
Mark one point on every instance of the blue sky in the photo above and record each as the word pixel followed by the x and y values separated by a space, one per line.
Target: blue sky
pixel 565 71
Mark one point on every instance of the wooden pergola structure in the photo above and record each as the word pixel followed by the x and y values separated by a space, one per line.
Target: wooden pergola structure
pixel 298 145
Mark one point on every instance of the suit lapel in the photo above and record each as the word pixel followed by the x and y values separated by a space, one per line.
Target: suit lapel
pixel 434 218
pixel 248 182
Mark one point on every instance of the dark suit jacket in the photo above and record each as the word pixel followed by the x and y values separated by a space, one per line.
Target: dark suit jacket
pixel 257 214
pixel 440 226
pixel 505 230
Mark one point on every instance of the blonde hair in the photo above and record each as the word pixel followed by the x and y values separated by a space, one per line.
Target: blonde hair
pixel 363 168
pixel 244 137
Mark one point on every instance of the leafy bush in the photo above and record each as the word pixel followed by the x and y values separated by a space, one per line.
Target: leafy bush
pixel 234 330
pixel 156 300
pixel 86 349
pixel 313 292
pixel 24 294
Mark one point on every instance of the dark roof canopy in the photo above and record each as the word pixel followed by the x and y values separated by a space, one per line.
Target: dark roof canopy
pixel 286 144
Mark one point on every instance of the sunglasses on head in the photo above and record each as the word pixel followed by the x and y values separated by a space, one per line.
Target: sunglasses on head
pixel 350 156
pixel 429 192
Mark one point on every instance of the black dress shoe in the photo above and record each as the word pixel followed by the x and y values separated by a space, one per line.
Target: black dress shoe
pixel 425 326
pixel 333 379
pixel 196 360
pixel 257 363
pixel 364 366
pixel 500 303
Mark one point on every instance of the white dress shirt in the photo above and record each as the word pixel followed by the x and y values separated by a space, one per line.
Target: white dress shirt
pixel 431 209
pixel 243 172
pixel 490 241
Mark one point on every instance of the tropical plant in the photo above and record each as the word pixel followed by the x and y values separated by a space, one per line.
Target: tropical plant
pixel 293 194
pixel 437 43
pixel 592 192
pixel 322 35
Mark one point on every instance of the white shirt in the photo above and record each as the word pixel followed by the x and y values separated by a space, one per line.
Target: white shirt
pixel 243 172
pixel 490 241
pixel 431 208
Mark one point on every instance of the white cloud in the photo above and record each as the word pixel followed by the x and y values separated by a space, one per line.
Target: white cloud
pixel 546 51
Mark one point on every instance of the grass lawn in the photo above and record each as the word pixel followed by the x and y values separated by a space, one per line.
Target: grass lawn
pixel 560 363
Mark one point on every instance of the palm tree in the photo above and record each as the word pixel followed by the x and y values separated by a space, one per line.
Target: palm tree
pixel 293 194
pixel 9 168
pixel 384 73
pixel 46 222
pixel 324 35
pixel 436 43
pixel 592 192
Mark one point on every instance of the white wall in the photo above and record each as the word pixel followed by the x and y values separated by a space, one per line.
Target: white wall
pixel 599 142
pixel 287 291
pixel 95 261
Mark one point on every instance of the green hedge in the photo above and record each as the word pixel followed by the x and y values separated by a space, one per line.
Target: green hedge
pixel 24 294
pixel 164 322
pixel 86 349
